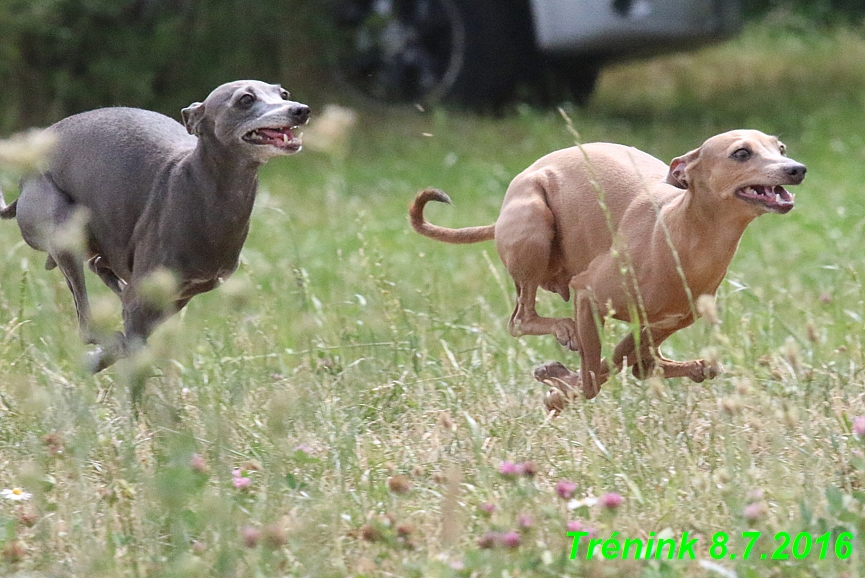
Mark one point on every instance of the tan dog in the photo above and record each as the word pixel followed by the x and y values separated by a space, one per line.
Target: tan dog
pixel 634 240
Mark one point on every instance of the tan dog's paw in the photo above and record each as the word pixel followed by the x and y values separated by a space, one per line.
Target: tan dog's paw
pixel 565 333
pixel 556 401
pixel 711 370
pixel 563 383
pixel 703 370
pixel 591 387
pixel 552 370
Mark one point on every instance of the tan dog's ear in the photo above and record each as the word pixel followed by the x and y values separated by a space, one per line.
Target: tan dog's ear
pixel 192 116
pixel 678 175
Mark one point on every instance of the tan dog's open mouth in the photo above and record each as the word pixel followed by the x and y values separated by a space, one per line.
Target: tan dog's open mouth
pixel 774 198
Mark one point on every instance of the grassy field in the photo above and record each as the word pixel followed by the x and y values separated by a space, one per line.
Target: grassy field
pixel 361 377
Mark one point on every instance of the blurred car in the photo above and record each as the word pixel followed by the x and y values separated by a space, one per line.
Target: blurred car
pixel 479 51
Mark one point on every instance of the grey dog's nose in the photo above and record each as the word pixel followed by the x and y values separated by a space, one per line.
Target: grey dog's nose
pixel 299 112
pixel 796 171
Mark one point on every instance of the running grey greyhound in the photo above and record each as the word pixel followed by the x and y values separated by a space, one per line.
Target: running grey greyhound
pixel 153 196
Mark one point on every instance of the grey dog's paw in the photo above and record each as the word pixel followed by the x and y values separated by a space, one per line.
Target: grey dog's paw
pixel 93 360
pixel 99 358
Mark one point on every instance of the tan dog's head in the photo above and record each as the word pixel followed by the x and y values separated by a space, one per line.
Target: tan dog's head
pixel 745 166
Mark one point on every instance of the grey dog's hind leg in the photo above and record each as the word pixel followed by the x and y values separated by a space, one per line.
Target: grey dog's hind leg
pixel 112 281
pixel 46 218
pixel 7 211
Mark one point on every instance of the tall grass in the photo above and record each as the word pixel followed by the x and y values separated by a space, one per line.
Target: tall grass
pixel 362 379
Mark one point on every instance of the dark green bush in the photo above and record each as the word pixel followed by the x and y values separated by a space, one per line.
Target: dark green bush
pixel 819 12
pixel 58 57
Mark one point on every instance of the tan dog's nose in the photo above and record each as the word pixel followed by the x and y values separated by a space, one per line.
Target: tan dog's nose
pixel 796 172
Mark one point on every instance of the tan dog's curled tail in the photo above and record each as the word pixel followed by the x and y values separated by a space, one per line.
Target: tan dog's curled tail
pixel 456 236
pixel 7 211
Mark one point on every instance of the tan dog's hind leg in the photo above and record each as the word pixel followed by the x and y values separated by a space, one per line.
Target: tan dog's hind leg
pixel 526 321
pixel 525 235
pixel 564 385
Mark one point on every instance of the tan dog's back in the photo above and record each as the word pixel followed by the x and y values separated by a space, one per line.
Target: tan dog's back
pixel 588 189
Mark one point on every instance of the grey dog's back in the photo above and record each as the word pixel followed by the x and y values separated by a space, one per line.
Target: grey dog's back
pixel 114 162
pixel 109 145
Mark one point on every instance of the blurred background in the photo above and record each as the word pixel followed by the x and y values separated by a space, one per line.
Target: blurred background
pixel 59 57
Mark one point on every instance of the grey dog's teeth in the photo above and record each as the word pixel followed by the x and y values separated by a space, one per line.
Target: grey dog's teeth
pixel 284 137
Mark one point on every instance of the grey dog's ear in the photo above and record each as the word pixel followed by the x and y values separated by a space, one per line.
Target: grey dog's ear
pixel 192 116
pixel 678 175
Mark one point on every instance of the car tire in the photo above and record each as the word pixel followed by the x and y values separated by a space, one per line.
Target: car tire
pixel 471 52
pixel 574 78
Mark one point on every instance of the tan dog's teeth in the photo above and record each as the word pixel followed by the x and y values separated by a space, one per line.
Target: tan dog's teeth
pixel 284 137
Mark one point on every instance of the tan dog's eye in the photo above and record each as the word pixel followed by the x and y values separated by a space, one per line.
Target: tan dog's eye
pixel 782 148
pixel 284 94
pixel 741 154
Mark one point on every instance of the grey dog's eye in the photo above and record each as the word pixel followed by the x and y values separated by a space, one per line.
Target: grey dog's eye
pixel 284 94
pixel 246 100
pixel 741 154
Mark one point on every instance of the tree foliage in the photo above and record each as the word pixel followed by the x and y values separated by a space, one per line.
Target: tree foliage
pixel 58 57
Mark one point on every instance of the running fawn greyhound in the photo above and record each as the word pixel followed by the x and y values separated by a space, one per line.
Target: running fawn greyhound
pixel 633 239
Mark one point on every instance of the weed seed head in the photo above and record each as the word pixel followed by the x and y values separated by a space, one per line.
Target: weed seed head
pixel 612 500
pixel 859 425
pixel 510 540
pixel 488 540
pixel 399 484
pixel 273 536
pixel 754 511
pixel 250 536
pixel 508 470
pixel 240 481
pixel 197 463
pixel 370 533
pixel 159 288
pixel 707 309
pixel 14 550
pixel 565 489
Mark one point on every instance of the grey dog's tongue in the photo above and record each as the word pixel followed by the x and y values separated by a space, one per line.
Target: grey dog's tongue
pixel 276 133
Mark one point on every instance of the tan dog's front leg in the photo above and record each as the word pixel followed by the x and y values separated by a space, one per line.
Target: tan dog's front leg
pixel 593 372
pixel 648 358
pixel 698 370
pixel 641 360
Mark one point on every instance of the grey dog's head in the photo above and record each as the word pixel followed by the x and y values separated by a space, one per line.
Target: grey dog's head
pixel 254 116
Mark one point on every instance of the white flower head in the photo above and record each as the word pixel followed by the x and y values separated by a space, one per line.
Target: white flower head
pixel 15 494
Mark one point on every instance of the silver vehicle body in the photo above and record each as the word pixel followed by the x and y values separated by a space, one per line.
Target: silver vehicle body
pixel 610 27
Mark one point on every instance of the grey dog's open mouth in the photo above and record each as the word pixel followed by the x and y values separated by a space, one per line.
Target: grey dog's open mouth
pixel 279 137
pixel 775 198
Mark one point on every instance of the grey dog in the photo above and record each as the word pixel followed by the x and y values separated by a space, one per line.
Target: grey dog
pixel 150 195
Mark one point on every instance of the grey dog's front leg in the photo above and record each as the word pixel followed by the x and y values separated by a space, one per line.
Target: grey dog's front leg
pixel 140 318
